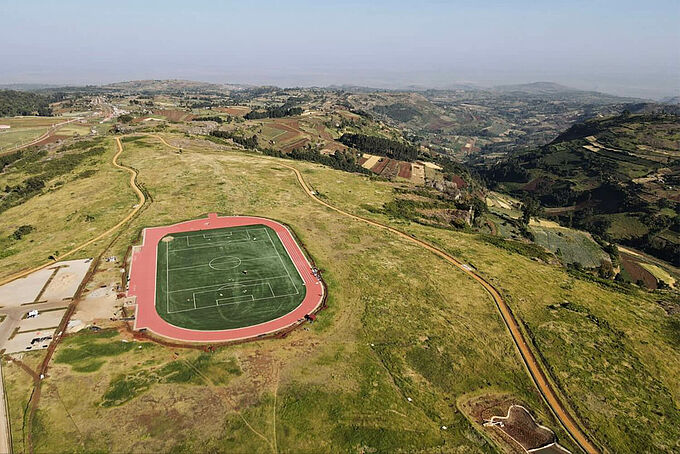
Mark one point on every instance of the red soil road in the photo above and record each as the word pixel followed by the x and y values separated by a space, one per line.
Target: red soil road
pixel 143 283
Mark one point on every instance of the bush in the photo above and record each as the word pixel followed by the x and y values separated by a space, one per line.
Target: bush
pixel 22 231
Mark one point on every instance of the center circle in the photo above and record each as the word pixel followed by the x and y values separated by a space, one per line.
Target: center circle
pixel 226 262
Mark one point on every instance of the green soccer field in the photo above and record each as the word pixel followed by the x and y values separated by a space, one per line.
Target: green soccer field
pixel 225 278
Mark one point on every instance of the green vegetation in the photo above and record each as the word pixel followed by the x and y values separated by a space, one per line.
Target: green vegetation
pixel 244 274
pixel 88 353
pixel 570 245
pixel 398 111
pixel 589 185
pixel 13 103
pixel 381 146
pixel 41 171
pixel 274 112
pixel 406 339
pixel 526 249
pixel 22 231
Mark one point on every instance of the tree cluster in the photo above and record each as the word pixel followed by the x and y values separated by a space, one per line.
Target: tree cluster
pixel 13 103
pixel 273 112
pixel 381 146
pixel 248 142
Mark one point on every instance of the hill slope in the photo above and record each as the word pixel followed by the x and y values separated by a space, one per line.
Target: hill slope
pixel 617 177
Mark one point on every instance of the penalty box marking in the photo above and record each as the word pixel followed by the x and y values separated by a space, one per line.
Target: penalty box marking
pixel 217 243
pixel 250 239
pixel 230 300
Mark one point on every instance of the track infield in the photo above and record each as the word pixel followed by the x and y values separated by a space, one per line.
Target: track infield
pixel 221 279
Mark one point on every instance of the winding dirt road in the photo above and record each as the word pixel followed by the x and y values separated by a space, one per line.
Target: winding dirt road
pixel 136 208
pixel 535 370
pixel 530 360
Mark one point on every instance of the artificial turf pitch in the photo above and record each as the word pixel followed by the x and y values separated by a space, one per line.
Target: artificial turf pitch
pixel 225 278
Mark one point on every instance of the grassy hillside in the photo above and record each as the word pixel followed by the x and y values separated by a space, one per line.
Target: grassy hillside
pixel 616 177
pixel 405 342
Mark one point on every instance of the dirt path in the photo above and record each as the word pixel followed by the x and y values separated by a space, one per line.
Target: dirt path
pixel 44 136
pixel 136 208
pixel 535 370
pixel 530 360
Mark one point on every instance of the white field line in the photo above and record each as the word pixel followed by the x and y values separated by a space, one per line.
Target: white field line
pixel 228 284
pixel 248 283
pixel 207 264
pixel 283 264
pixel 258 299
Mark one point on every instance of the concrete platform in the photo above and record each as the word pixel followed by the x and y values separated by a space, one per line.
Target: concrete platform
pixel 43 321
pixel 67 280
pixel 24 290
pixel 22 341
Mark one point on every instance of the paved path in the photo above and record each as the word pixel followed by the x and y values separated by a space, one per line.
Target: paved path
pixel 5 434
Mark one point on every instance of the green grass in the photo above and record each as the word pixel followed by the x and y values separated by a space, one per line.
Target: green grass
pixel 571 245
pixel 90 356
pixel 400 324
pixel 14 137
pixel 625 225
pixel 225 278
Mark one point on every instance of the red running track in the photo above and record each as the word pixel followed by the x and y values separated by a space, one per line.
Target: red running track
pixel 143 282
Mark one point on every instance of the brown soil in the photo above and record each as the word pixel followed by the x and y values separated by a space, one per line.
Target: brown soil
pixel 637 272
pixel 174 114
pixel 236 111
pixel 380 165
pixel 520 425
pixel 460 183
pixel 362 160
pixel 405 170
pixel 391 169
pixel 50 139
pixel 300 143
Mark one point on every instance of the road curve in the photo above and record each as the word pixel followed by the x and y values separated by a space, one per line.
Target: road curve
pixel 136 208
pixel 531 362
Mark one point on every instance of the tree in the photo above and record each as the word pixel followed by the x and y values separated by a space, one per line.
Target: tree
pixel 530 208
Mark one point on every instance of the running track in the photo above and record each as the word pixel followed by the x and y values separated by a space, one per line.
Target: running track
pixel 143 282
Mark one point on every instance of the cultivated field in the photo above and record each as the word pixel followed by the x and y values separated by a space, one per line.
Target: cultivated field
pixel 24 129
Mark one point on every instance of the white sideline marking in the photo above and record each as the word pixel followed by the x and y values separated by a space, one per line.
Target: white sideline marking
pixel 226 285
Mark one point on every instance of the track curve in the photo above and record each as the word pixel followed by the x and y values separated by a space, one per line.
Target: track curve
pixel 530 361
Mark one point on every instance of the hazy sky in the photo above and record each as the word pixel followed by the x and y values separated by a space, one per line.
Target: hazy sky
pixel 622 47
